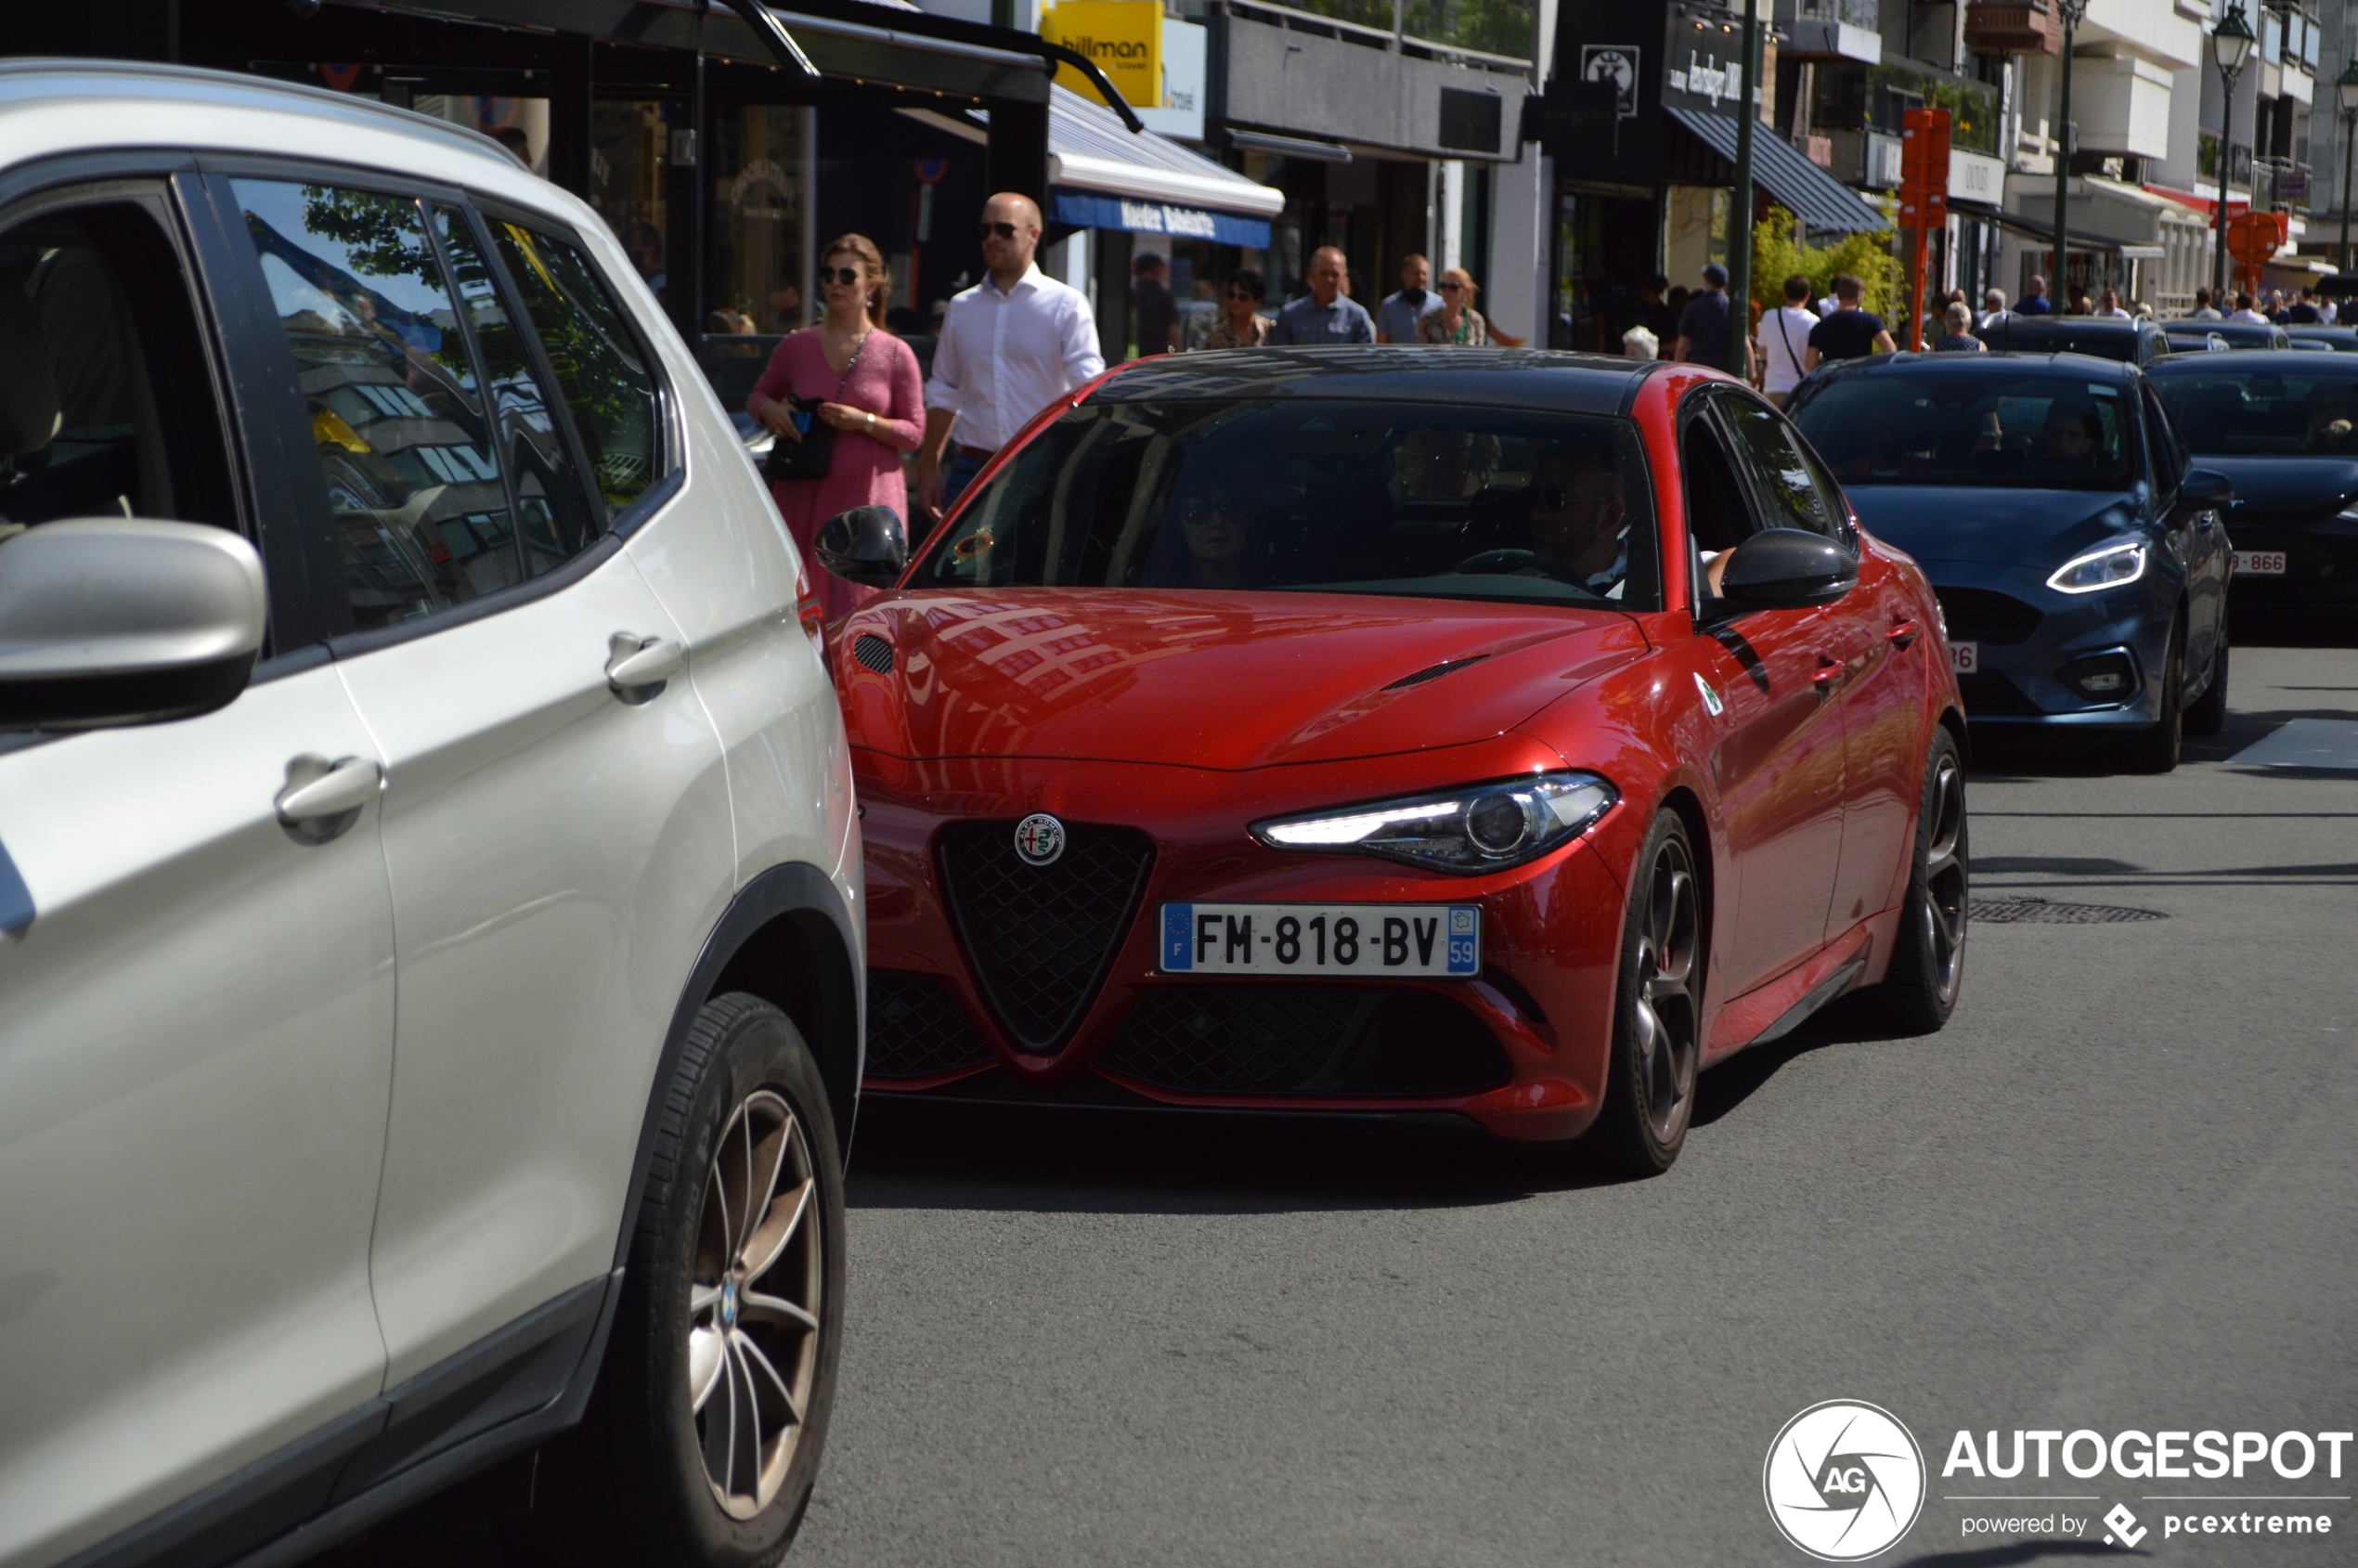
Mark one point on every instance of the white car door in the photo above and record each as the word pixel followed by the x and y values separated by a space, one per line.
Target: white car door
pixel 557 819
pixel 196 992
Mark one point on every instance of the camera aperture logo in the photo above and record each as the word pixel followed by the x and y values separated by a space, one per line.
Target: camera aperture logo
pixel 1844 1480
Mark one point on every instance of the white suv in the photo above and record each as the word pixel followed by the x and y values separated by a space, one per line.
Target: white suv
pixel 430 941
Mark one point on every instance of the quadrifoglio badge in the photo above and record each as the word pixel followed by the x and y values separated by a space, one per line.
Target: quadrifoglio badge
pixel 1845 1481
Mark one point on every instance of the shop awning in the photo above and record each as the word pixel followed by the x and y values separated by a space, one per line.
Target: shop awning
pixel 1102 176
pixel 1792 182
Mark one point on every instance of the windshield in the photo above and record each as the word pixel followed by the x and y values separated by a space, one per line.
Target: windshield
pixel 2018 430
pixel 2250 410
pixel 2063 337
pixel 1411 499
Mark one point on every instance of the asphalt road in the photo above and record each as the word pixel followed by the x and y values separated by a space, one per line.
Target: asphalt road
pixel 2117 1192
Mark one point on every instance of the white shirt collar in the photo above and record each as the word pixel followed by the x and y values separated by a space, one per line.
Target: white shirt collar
pixel 1030 279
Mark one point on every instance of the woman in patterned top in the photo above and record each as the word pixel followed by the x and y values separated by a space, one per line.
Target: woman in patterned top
pixel 1242 325
pixel 1456 323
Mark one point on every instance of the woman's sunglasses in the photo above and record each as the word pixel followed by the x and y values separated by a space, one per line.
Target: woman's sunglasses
pixel 1451 288
pixel 996 231
pixel 849 277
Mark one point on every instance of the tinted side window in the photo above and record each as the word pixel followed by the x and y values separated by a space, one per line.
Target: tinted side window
pixel 106 401
pixel 397 409
pixel 552 512
pixel 1788 492
pixel 601 369
pixel 1717 516
pixel 2169 458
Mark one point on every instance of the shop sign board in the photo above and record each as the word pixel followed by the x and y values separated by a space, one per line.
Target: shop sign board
pixel 1122 38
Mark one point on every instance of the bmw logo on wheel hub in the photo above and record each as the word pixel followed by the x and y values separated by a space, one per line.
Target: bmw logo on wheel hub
pixel 1845 1480
pixel 1040 838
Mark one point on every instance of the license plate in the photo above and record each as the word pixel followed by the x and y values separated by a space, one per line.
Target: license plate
pixel 1376 940
pixel 1966 657
pixel 2260 563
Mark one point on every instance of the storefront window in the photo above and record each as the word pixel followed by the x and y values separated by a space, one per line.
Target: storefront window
pixel 626 151
pixel 1695 230
pixel 760 229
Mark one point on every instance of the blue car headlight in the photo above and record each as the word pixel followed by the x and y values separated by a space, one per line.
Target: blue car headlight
pixel 1481 828
pixel 2111 565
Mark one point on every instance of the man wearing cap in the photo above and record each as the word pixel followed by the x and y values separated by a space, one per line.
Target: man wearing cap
pixel 1702 326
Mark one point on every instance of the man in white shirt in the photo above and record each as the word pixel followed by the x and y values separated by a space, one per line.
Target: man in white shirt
pixel 1993 305
pixel 2245 313
pixel 2111 309
pixel 2204 310
pixel 1010 345
pixel 1784 340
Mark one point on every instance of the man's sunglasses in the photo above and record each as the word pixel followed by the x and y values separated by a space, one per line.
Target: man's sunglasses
pixel 849 277
pixel 995 230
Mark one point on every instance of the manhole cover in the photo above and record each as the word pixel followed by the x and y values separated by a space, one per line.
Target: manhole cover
pixel 2039 912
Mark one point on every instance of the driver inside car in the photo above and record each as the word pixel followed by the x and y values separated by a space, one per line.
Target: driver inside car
pixel 1579 521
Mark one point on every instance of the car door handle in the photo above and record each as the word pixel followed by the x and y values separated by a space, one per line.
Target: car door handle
pixel 323 798
pixel 638 667
pixel 1902 634
pixel 1828 676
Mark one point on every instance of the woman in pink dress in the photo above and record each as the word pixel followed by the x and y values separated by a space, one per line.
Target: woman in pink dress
pixel 850 372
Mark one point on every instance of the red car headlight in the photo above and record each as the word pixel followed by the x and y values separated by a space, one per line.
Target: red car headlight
pixel 1479 828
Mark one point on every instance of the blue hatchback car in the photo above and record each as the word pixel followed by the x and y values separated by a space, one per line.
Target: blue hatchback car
pixel 2080 561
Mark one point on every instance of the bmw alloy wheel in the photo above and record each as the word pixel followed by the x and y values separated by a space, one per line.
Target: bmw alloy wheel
pixel 755 1304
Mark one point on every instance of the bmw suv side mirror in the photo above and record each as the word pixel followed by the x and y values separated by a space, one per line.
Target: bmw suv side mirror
pixel 865 545
pixel 2206 486
pixel 110 621
pixel 1787 569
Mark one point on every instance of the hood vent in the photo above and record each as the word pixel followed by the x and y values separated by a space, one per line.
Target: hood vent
pixel 874 652
pixel 1433 672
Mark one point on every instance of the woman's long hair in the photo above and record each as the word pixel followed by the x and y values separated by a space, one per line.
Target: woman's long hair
pixel 871 262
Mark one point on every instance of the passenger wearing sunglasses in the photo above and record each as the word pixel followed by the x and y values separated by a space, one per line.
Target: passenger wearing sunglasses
pixel 1242 325
pixel 1456 323
pixel 850 373
pixel 1011 345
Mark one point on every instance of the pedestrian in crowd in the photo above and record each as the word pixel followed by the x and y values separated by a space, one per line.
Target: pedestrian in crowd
pixel 2328 311
pixel 1010 345
pixel 1456 322
pixel 1784 339
pixel 2079 303
pixel 519 146
pixel 850 373
pixel 2204 310
pixel 2304 310
pixel 2110 308
pixel 1851 332
pixel 1993 305
pixel 1702 326
pixel 1638 342
pixel 2244 312
pixel 1958 337
pixel 1399 315
pixel 1242 325
pixel 1326 313
pixel 1653 309
pixel 786 307
pixel 2034 298
pixel 1674 307
pixel 1158 311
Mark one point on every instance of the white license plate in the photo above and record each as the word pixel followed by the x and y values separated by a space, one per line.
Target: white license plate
pixel 1966 657
pixel 1379 939
pixel 2260 563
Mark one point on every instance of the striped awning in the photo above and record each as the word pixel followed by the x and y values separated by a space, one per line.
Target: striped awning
pixel 1792 182
pixel 1095 160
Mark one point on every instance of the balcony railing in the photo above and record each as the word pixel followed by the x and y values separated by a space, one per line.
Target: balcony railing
pixel 2206 161
pixel 2010 27
pixel 1497 31
pixel 1858 13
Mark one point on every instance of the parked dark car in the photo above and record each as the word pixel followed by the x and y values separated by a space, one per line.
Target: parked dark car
pixel 2194 337
pixel 2133 342
pixel 2080 563
pixel 2286 433
pixel 2341 340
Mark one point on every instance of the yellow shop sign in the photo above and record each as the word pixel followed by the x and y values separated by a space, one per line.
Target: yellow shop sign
pixel 1122 38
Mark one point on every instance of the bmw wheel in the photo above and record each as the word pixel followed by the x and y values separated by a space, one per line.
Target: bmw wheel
pixel 705 1435
pixel 1927 969
pixel 1657 1036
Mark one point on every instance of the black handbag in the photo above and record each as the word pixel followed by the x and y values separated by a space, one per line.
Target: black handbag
pixel 815 453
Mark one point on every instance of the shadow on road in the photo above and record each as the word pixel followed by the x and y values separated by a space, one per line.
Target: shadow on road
pixel 2021 1551
pixel 916 1156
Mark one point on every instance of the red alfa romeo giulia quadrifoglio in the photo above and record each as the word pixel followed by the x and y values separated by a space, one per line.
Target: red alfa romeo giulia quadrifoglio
pixel 1500 733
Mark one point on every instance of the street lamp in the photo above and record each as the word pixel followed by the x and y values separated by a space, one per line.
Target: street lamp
pixel 2231 44
pixel 2346 94
pixel 2071 11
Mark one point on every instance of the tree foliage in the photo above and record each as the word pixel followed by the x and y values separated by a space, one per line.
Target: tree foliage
pixel 1778 250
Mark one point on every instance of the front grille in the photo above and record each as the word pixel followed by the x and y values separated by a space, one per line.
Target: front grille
pixel 874 652
pixel 1305 1039
pixel 1041 937
pixel 1990 696
pixel 1980 615
pixel 915 1029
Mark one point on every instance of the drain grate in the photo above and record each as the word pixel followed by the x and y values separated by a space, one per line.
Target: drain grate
pixel 2039 912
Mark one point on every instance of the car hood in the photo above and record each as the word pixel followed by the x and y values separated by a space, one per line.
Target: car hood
pixel 2287 487
pixel 1993 526
pixel 1221 681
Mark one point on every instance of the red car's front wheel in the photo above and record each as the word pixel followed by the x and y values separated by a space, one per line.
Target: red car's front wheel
pixel 1657 1042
